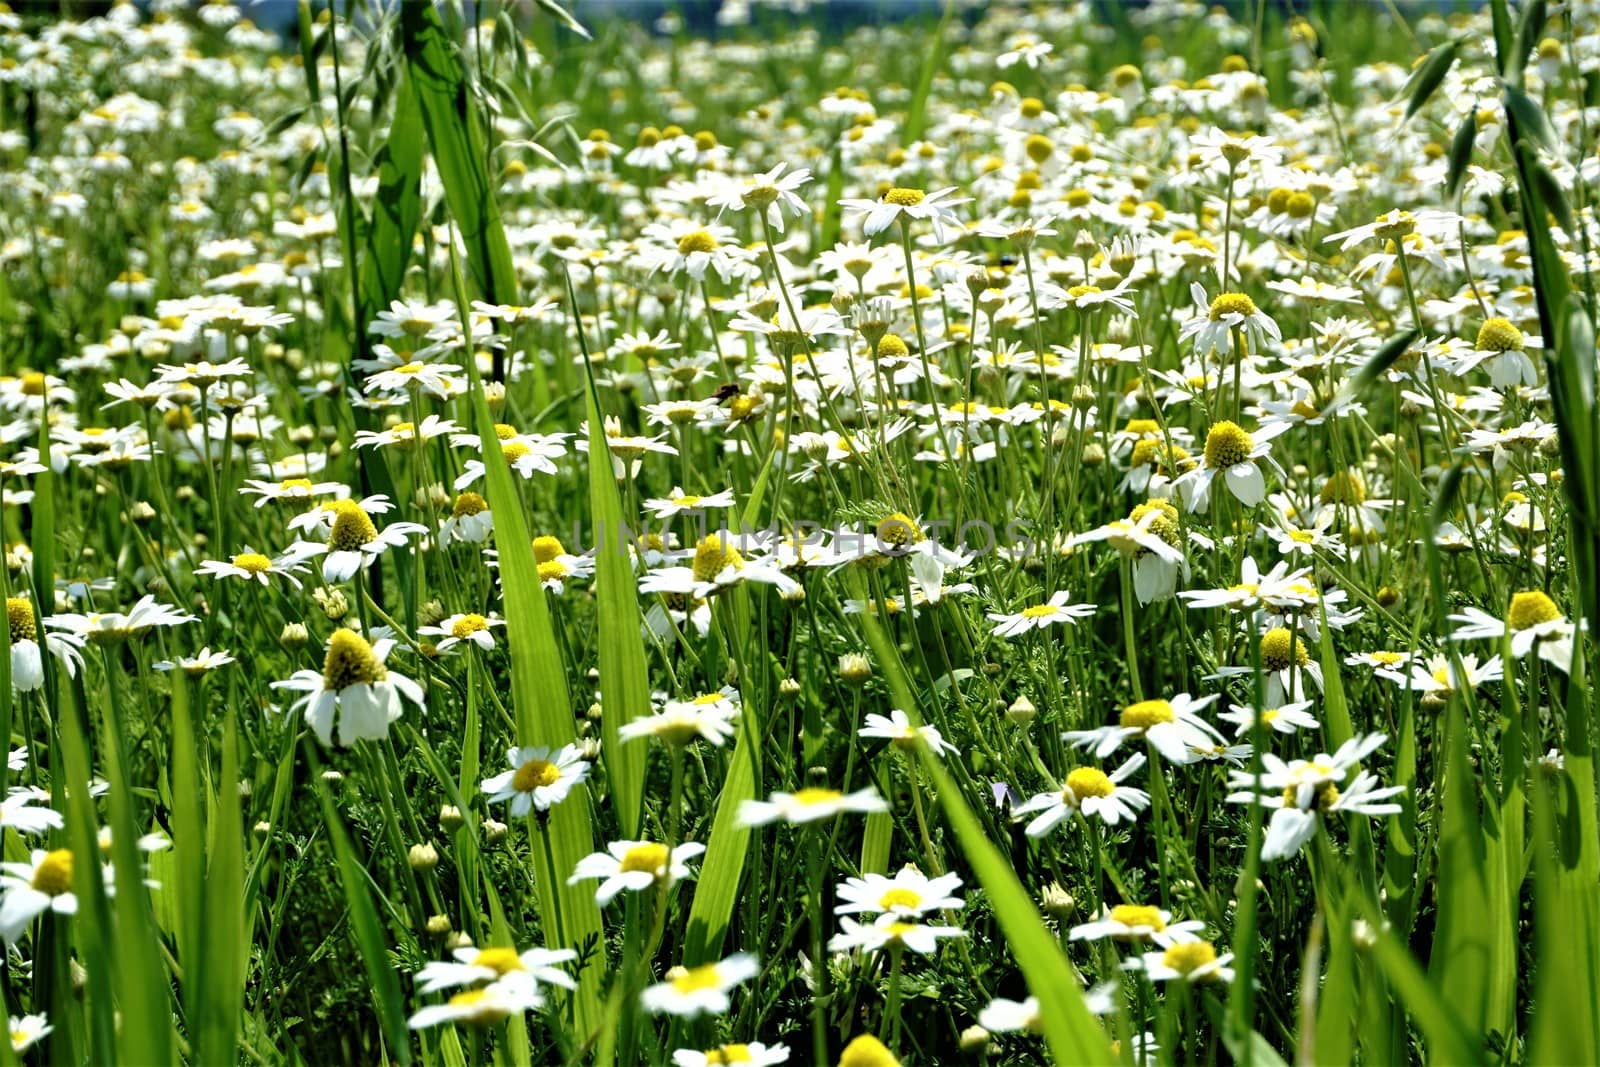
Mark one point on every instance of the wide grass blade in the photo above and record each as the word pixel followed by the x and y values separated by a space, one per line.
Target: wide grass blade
pixel 1071 1033
pixel 542 706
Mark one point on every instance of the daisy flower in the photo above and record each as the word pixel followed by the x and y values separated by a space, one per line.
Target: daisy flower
pixel 355 686
pixel 1235 455
pixel 28 1030
pixel 21 812
pixel 1438 678
pixel 635 866
pixel 1055 610
pixel 1003 1016
pixel 1088 791
pixel 1215 322
pixel 537 779
pixel 27 662
pixel 1533 621
pixel 28 890
pixel 897 728
pixel 773 192
pixel 1184 961
pixel 1173 727
pixel 485 1006
pixel 198 665
pixel 909 894
pixel 110 627
pixel 1284 719
pixel 688 992
pixel 890 931
pixel 1298 792
pixel 254 566
pixel 678 502
pixel 1285 660
pixel 470 521
pixel 1137 922
pixel 679 722
pixel 808 805
pixel 754 1054
pixel 354 543
pixel 473 965
pixel 904 203
pixel 463 627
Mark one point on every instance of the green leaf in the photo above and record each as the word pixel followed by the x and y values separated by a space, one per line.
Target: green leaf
pixel 1461 155
pixel 624 681
pixel 1530 27
pixel 364 925
pixel 396 209
pixel 226 936
pixel 1472 962
pixel 1449 1040
pixel 1430 74
pixel 439 81
pixel 1071 1032
pixel 1529 119
pixel 542 706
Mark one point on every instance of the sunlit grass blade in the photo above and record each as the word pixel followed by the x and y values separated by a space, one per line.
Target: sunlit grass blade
pixel 224 933
pixel 365 927
pixel 1072 1034
pixel 542 705
pixel 455 135
pixel 624 680
pixel 397 207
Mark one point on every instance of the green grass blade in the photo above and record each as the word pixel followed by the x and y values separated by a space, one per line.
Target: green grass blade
pixel 365 928
pixel 396 208
pixel 543 710
pixel 454 133
pixel 1073 1035
pixel 225 936
pixel 624 680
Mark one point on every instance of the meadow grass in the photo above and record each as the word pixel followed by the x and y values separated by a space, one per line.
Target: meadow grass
pixel 1065 533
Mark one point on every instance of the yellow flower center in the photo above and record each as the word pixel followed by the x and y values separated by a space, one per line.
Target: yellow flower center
pixel 535 774
pixel 1039 611
pixel 350 662
pixel 1281 648
pixel 1227 445
pixel 899 529
pixel 1389 659
pixel 1232 304
pixel 484 1011
pixel 1189 956
pixel 468 625
pixel 514 450
pixel 711 558
pixel 547 548
pixel 1147 713
pixel 813 796
pixel 1323 799
pixel 252 562
pixel 468 504
pixel 1498 335
pixel 729 1054
pixel 698 241
pixel 552 570
pixel 867 1051
pixel 501 961
pixel 648 857
pixel 19 615
pixel 1531 608
pixel 890 346
pixel 1344 487
pixel 296 483
pixel 1300 206
pixel 1139 915
pixel 1086 782
pixel 900 897
pixel 53 876
pixel 697 978
pixel 903 197
pixel 352 527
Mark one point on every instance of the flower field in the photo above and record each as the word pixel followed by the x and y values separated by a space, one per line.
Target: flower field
pixel 750 534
